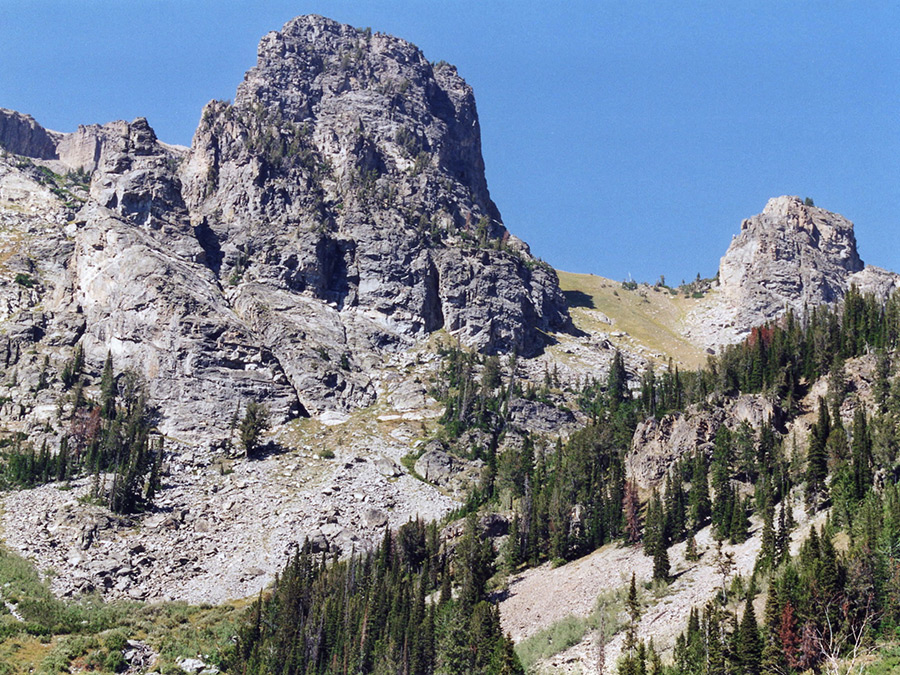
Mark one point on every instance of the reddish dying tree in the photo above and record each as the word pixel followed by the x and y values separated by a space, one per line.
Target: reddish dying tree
pixel 631 504
pixel 787 633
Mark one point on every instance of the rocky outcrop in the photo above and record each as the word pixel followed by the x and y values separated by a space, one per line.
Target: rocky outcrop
pixel 658 443
pixel 791 256
pixel 21 135
pixel 539 417
pixel 445 470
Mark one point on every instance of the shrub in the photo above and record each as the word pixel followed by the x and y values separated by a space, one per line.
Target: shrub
pixel 24 280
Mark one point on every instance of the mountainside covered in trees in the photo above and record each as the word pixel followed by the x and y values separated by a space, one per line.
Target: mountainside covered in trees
pixel 304 362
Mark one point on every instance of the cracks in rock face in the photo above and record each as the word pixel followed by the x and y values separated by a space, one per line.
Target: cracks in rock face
pixel 209 242
pixel 300 410
pixel 433 306
pixel 336 258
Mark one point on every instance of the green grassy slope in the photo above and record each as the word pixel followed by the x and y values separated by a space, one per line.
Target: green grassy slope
pixel 650 315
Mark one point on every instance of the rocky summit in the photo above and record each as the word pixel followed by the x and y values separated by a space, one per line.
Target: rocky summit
pixel 335 212
pixel 793 256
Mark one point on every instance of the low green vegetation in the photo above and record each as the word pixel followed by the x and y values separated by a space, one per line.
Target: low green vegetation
pixel 886 663
pixel 25 280
pixel 607 618
pixel 57 636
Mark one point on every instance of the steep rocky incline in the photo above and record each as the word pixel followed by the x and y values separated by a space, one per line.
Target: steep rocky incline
pixel 336 212
pixel 349 170
pixel 790 256
pixel 123 273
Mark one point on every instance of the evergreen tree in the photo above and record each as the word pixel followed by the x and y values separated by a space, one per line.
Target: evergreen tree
pixel 633 605
pixel 656 538
pixel 253 425
pixel 699 496
pixel 632 509
pixel 861 451
pixel 782 536
pixel 512 552
pixel 749 644
pixel 474 563
pixel 617 381
pixel 108 389
pixel 690 550
pixel 765 559
pixel 817 456
pixel 772 660
pixel 675 509
pixel 661 570
pixel 740 523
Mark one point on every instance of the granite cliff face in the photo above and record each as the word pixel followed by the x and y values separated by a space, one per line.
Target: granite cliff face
pixel 349 171
pixel 21 135
pixel 790 256
pixel 336 211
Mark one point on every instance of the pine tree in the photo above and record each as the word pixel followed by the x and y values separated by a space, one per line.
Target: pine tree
pixel 632 508
pixel 512 548
pixel 723 511
pixel 62 459
pixel 633 605
pixel 716 640
pixel 699 496
pixel 474 559
pixel 108 389
pixel 861 451
pixel 749 641
pixel 722 459
pixel 690 550
pixel 253 425
pixel 654 662
pixel 772 660
pixel 661 570
pixel 740 524
pixel 817 455
pixel 782 536
pixel 71 372
pixel 676 516
pixel 766 557
pixel 617 382
pixel 746 443
pixel 656 539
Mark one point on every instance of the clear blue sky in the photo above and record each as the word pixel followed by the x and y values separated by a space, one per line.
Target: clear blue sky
pixel 620 137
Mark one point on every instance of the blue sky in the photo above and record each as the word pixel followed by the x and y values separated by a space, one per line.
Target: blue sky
pixel 621 138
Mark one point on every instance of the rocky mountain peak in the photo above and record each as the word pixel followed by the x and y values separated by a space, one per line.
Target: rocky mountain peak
pixel 21 135
pixel 373 102
pixel 353 167
pixel 793 255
